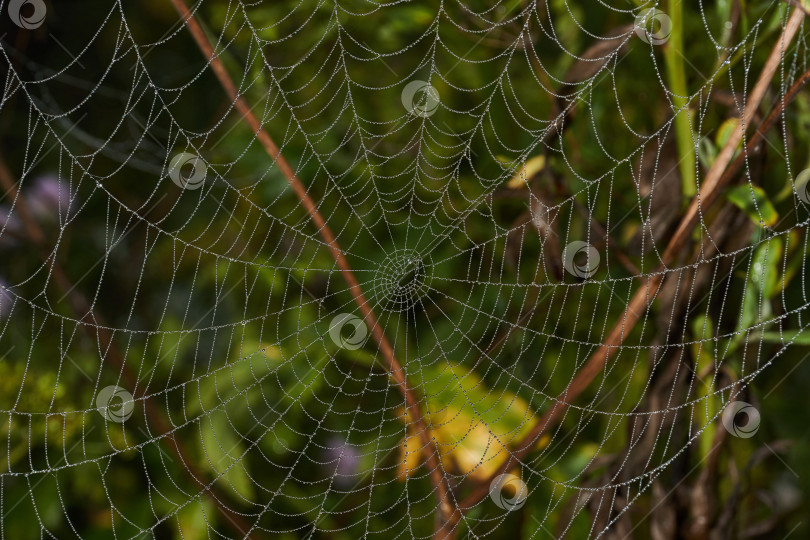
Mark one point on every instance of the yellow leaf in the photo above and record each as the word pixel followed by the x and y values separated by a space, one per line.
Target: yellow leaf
pixel 470 442
pixel 529 169
pixel 469 448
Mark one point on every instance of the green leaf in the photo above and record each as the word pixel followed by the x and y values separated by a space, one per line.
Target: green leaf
pixel 761 285
pixel 236 378
pixel 707 152
pixel 794 337
pixel 754 201
pixel 765 267
pixel 725 131
pixel 794 262
pixel 222 451
pixel 192 519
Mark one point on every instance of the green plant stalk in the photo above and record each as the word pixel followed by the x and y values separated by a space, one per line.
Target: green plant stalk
pixel 676 75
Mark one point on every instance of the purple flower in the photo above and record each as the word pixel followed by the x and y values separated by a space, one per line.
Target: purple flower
pixel 342 461
pixel 48 197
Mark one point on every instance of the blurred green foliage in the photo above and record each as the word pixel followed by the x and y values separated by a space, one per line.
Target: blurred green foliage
pixel 227 295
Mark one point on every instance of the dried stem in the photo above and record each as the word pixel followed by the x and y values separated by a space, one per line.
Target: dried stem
pixel 715 177
pixel 715 180
pixel 98 330
pixel 429 448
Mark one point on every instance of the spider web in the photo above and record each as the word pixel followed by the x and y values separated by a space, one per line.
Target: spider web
pixel 182 333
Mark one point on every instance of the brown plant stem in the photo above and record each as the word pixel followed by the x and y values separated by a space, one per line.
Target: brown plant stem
pixel 716 178
pixel 83 310
pixel 395 370
pixel 766 126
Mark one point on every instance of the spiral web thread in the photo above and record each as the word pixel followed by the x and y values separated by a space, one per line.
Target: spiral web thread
pixel 223 301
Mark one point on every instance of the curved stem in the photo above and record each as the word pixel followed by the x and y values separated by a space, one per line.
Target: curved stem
pixel 718 176
pixel 395 370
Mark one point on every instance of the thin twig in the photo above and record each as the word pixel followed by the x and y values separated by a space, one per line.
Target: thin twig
pixel 429 448
pixel 715 180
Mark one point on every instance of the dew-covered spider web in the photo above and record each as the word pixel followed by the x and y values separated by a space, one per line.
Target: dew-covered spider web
pixel 186 349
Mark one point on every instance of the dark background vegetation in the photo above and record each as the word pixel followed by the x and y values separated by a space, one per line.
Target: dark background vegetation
pixel 221 298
